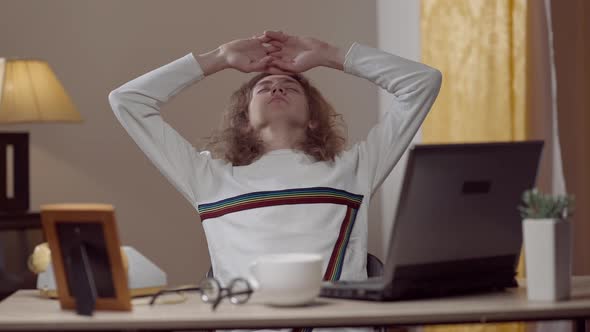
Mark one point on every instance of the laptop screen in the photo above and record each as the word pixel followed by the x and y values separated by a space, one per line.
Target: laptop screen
pixel 459 204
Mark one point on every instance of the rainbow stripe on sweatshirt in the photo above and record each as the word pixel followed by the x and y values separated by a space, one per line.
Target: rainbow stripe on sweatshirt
pixel 313 195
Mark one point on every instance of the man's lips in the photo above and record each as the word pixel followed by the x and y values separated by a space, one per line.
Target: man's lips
pixel 276 99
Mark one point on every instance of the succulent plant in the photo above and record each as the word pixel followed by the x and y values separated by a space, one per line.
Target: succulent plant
pixel 538 205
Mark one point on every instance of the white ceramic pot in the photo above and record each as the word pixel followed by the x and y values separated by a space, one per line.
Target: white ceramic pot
pixel 547 254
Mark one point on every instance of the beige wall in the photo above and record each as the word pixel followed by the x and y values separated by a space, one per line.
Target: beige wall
pixel 94 46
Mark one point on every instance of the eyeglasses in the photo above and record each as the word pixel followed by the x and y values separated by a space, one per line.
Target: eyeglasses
pixel 238 291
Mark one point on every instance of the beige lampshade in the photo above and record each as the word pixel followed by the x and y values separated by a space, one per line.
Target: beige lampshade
pixel 30 92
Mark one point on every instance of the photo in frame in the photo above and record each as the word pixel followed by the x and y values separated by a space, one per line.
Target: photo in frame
pixel 87 261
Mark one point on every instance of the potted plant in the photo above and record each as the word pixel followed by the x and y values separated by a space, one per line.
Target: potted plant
pixel 547 244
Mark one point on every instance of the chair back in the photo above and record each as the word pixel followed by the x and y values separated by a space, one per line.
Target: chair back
pixel 374 266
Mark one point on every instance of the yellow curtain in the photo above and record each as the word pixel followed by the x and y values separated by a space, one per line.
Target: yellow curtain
pixel 480 47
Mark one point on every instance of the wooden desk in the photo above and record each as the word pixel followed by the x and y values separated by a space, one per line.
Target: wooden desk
pixel 24 310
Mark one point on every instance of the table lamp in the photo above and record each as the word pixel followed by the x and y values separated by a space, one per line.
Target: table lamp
pixel 29 92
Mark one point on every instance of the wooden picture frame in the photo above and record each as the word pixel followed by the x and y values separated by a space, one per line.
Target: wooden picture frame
pixel 86 257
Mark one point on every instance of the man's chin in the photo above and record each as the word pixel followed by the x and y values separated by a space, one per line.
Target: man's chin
pixel 278 107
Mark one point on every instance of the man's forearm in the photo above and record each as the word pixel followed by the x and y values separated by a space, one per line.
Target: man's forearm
pixel 335 58
pixel 211 62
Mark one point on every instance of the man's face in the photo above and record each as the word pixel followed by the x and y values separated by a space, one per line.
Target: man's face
pixel 278 99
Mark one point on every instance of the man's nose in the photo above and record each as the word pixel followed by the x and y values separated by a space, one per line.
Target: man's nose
pixel 278 89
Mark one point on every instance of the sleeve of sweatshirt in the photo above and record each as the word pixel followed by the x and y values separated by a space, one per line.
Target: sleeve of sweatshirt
pixel 414 87
pixel 137 104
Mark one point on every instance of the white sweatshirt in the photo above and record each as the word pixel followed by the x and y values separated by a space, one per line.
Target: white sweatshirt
pixel 285 201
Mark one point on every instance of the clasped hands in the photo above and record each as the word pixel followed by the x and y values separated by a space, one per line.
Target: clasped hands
pixel 276 52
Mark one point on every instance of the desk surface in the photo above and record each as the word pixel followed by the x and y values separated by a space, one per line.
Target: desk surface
pixel 25 310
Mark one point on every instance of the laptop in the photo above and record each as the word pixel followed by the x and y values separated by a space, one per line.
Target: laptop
pixel 457 229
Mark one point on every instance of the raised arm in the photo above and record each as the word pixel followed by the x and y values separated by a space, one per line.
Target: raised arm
pixel 413 85
pixel 137 104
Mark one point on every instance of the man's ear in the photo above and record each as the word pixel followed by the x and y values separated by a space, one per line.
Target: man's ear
pixel 312 124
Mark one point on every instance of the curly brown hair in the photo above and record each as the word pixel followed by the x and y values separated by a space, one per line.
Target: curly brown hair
pixel 238 143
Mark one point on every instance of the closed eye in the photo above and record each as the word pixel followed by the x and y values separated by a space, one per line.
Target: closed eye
pixel 264 89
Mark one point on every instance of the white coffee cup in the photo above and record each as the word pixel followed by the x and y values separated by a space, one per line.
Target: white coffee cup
pixel 287 279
